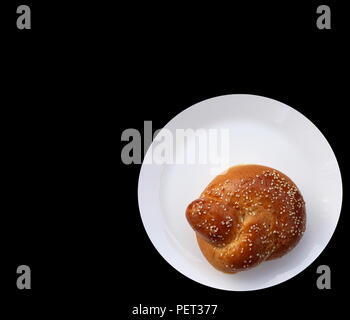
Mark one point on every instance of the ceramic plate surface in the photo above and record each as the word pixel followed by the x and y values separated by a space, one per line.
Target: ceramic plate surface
pixel 259 130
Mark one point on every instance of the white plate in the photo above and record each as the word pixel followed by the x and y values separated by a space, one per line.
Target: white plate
pixel 261 131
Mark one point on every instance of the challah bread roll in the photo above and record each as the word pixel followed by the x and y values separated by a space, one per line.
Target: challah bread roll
pixel 247 215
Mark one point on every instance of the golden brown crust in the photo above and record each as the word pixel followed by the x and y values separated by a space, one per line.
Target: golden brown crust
pixel 247 215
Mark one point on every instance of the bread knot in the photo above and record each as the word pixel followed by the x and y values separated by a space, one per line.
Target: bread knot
pixel 247 215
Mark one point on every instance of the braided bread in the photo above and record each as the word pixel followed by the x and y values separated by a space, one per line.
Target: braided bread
pixel 247 215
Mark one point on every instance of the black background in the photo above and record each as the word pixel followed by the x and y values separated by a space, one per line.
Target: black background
pixel 84 74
